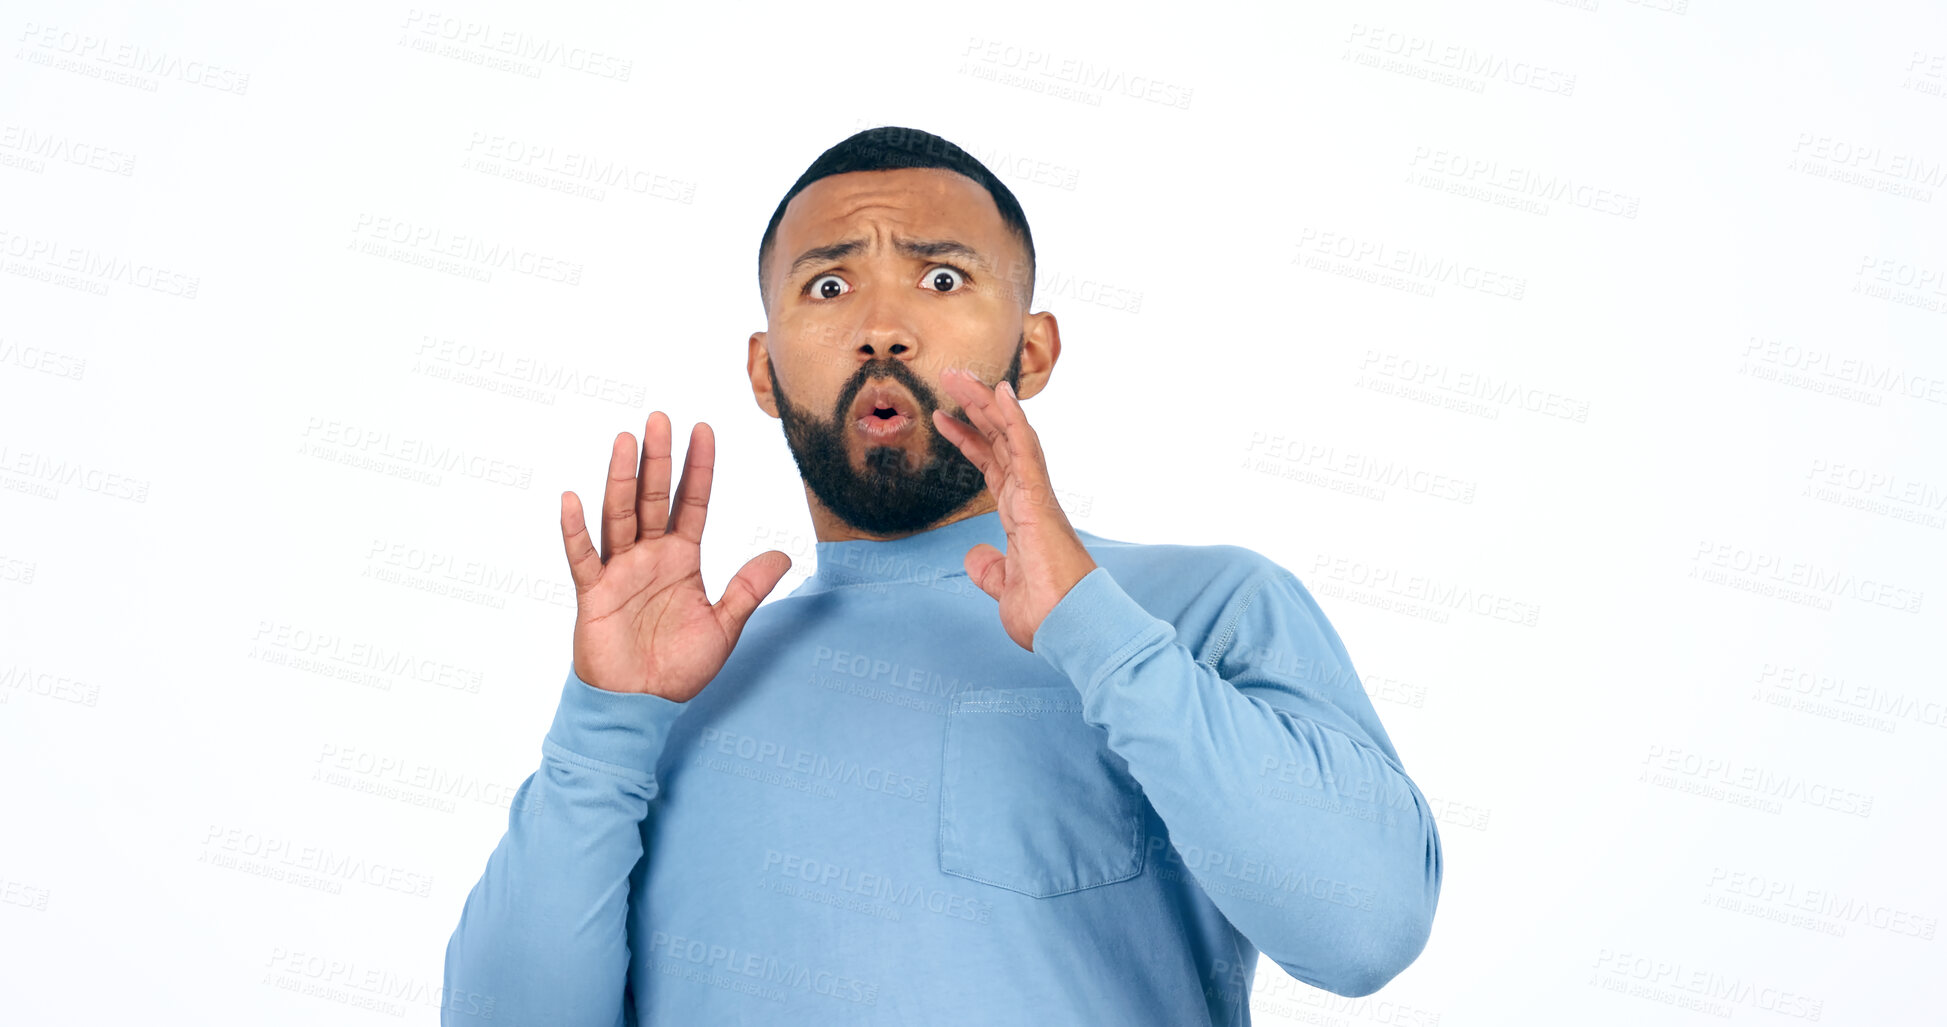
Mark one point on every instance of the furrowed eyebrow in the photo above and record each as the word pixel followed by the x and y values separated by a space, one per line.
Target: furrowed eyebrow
pixel 824 254
pixel 927 249
pixel 919 249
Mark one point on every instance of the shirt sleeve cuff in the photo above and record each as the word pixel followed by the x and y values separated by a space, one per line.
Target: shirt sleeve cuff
pixel 1095 629
pixel 623 731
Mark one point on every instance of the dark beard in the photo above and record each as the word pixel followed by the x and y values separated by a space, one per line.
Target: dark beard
pixel 887 497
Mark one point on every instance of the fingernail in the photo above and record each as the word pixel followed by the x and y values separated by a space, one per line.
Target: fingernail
pixel 1009 387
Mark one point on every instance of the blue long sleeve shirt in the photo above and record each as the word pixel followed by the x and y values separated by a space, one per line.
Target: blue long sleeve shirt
pixel 884 811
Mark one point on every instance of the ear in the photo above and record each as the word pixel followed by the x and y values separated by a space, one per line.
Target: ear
pixel 1040 348
pixel 760 377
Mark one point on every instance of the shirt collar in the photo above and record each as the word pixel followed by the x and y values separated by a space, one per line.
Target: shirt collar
pixel 920 557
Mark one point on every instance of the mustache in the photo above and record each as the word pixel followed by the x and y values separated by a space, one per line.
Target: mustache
pixel 887 368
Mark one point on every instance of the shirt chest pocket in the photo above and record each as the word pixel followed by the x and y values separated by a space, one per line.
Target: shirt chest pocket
pixel 1031 797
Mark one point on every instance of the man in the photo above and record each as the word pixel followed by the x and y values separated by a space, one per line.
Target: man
pixel 980 767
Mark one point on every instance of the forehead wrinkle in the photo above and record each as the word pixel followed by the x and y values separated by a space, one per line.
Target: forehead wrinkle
pixel 936 186
pixel 918 249
pixel 838 250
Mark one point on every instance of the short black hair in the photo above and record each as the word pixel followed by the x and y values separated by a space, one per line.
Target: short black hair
pixel 889 147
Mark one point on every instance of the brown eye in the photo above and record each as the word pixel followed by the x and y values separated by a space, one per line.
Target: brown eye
pixel 827 287
pixel 945 279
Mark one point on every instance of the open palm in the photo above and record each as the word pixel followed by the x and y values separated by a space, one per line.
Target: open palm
pixel 643 622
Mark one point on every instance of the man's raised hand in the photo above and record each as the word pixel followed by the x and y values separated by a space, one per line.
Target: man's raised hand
pixel 643 622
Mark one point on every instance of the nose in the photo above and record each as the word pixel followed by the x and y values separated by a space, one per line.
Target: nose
pixel 885 330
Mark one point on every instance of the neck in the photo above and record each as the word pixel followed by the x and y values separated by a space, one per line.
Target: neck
pixel 827 526
pixel 935 556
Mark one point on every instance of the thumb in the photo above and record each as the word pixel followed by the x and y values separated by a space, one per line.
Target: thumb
pixel 987 567
pixel 753 582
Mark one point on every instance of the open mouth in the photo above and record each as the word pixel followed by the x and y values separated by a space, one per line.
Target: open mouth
pixel 884 411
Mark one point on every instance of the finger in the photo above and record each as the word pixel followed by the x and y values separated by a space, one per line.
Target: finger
pixel 979 452
pixel 1014 417
pixel 741 597
pixel 618 498
pixel 977 402
pixel 1024 443
pixel 693 492
pixel 971 442
pixel 1016 455
pixel 987 567
pixel 584 564
pixel 974 397
pixel 652 496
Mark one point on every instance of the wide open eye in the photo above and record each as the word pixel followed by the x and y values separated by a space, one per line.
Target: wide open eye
pixel 951 277
pixel 824 292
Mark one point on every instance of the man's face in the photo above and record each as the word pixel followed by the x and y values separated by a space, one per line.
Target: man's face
pixel 860 335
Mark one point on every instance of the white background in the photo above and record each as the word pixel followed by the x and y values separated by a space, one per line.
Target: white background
pixel 1584 360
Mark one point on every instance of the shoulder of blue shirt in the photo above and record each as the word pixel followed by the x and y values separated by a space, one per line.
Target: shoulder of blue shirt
pixel 1100 622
